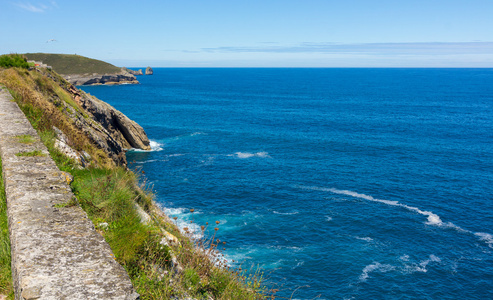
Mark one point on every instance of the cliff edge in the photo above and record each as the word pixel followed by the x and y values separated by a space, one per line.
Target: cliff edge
pixel 95 132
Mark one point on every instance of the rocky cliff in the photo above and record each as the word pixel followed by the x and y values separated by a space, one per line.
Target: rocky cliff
pixel 127 133
pixel 149 71
pixel 96 79
pixel 107 127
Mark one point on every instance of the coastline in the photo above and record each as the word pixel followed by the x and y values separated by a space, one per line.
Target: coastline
pixel 144 240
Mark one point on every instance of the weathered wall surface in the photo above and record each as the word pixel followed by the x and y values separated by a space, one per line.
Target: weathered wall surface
pixel 56 252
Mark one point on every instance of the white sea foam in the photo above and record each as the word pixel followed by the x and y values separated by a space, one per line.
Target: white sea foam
pixel 406 268
pixel 433 258
pixel 485 237
pixel 299 264
pixel 285 213
pixel 432 218
pixel 404 257
pixel 366 239
pixel 286 248
pixel 146 161
pixel 183 220
pixel 244 155
pixel 375 267
pixel 421 267
pixel 155 146
pixel 172 212
pixel 328 219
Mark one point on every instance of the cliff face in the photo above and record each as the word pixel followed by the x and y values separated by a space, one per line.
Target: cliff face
pixel 149 71
pixel 127 133
pixel 107 127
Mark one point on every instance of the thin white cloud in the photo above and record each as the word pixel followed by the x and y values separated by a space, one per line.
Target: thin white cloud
pixel 37 7
pixel 436 48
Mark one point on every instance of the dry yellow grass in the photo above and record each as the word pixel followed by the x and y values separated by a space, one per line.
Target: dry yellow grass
pixel 41 100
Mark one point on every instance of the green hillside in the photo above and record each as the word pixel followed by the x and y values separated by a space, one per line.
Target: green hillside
pixel 73 64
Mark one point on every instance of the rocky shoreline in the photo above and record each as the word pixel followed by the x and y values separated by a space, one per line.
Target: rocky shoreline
pixel 126 76
pixel 98 79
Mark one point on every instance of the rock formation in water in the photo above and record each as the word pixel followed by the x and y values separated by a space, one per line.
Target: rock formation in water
pixel 149 71
pixel 136 73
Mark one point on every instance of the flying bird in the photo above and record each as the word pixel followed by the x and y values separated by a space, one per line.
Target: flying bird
pixel 52 40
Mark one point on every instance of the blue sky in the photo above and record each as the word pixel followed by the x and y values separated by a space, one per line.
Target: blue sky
pixel 268 33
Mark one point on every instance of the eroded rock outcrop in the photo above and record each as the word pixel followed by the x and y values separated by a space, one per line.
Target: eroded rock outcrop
pixel 136 73
pixel 149 71
pixel 107 127
pixel 126 132
pixel 97 79
pixel 62 142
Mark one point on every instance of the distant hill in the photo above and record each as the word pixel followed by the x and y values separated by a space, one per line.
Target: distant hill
pixel 66 64
pixel 80 70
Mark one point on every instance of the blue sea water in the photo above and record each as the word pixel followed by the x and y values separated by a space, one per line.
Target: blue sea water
pixel 338 183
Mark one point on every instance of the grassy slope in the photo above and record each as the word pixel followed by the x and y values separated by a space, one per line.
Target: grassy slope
pixel 39 97
pixel 73 64
pixel 109 195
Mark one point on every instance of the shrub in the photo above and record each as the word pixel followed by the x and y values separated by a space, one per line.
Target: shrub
pixel 13 60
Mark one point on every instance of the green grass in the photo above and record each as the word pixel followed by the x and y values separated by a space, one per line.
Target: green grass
pixel 25 139
pixel 6 287
pixel 31 153
pixel 73 64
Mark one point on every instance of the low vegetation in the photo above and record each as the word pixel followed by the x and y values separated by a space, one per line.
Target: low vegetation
pixel 25 139
pixel 14 60
pixel 6 288
pixel 31 153
pixel 73 64
pixel 162 261
pixel 40 93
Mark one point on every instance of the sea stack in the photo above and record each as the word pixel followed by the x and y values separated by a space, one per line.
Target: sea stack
pixel 149 71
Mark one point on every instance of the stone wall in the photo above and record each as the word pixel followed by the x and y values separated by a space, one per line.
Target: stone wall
pixel 56 251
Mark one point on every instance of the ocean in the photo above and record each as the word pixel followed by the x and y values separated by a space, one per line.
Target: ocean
pixel 337 183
